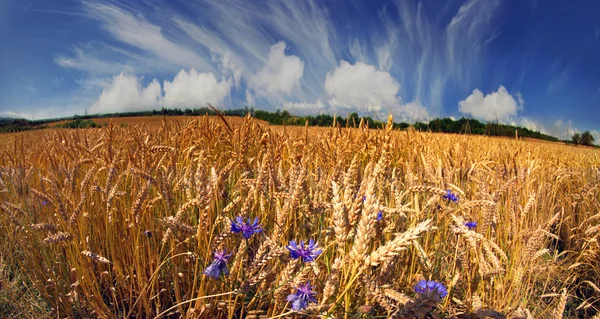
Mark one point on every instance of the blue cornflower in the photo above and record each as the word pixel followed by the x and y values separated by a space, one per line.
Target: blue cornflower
pixel 379 216
pixel 219 265
pixel 304 294
pixel 471 224
pixel 246 228
pixel 364 198
pixel 306 253
pixel 44 202
pixel 450 196
pixel 431 288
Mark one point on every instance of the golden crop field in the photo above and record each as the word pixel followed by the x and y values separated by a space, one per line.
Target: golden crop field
pixel 150 121
pixel 198 220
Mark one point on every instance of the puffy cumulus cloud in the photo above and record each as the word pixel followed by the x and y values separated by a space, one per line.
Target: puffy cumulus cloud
pixel 126 93
pixel 303 108
pixel 356 86
pixel 499 105
pixel 563 130
pixel 195 89
pixel 411 112
pixel 531 124
pixel 566 130
pixel 228 67
pixel 361 85
pixel 596 135
pixel 280 75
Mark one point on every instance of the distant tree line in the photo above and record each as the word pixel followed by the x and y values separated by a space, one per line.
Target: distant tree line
pixel 9 125
pixel 80 123
pixel 585 138
pixel 443 125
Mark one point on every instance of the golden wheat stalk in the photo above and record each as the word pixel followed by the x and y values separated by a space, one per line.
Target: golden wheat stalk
pixel 95 257
pixel 57 238
pixel 393 247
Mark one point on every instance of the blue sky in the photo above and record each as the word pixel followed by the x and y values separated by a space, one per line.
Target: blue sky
pixel 527 62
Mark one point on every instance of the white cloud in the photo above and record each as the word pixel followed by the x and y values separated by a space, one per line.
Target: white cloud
pixel 126 93
pixel 228 67
pixel 280 75
pixel 532 125
pixel 596 135
pixel 411 112
pixel 384 58
pixel 499 105
pixel 195 89
pixel 89 63
pixel 356 86
pixel 303 108
pixel 466 35
pixel 187 89
pixel 357 51
pixel 247 29
pixel 95 83
pixel 563 130
pixel 361 86
pixel 142 34
pixel 234 37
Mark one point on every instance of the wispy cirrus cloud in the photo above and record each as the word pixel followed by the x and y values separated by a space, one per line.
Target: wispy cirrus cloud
pixel 278 54
pixel 288 53
pixel 136 31
pixel 91 61
pixel 433 47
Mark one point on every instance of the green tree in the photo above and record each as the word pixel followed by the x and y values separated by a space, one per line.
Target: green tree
pixel 576 138
pixel 285 115
pixel 353 119
pixel 587 138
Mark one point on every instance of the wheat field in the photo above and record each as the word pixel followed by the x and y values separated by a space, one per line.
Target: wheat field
pixel 212 220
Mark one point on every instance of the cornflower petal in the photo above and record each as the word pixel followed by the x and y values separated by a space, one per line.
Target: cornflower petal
pixel 303 295
pixel 247 228
pixel 450 196
pixel 430 286
pixel 471 224
pixel 219 265
pixel 307 253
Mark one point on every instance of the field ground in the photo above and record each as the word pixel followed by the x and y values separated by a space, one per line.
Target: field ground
pixel 130 221
pixel 152 121
pixel 155 121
